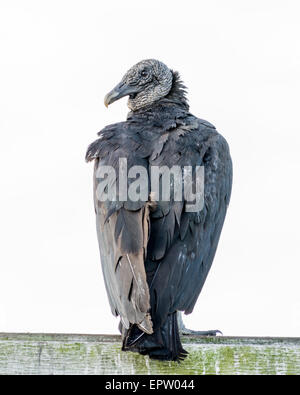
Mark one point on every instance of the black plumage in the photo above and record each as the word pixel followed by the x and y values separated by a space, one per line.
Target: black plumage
pixel 156 256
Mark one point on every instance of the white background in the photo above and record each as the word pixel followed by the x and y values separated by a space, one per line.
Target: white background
pixel 241 63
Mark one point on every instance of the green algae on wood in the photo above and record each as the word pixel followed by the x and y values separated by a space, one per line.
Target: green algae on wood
pixel 101 354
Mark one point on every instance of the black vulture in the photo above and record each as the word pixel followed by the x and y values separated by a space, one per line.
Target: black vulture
pixel 156 253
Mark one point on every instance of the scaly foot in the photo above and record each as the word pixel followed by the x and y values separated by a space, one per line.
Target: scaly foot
pixel 185 331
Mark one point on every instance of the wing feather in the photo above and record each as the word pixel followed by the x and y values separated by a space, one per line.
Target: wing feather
pixel 186 261
pixel 123 232
pixel 161 245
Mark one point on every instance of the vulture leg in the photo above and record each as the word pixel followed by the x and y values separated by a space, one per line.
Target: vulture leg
pixel 185 331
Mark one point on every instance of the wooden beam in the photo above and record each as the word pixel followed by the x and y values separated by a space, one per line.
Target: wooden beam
pixel 30 353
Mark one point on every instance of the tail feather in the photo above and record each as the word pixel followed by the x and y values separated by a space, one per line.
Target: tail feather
pixel 163 344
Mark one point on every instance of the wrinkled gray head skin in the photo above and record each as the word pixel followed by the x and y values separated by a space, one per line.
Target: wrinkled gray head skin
pixel 145 83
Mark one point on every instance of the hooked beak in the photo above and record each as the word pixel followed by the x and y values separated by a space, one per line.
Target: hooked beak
pixel 121 90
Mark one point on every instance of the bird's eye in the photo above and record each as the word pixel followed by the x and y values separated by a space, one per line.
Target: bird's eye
pixel 144 73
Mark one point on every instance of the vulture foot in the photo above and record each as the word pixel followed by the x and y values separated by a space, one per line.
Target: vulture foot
pixel 185 331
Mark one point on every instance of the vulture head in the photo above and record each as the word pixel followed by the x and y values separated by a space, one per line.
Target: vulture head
pixel 145 83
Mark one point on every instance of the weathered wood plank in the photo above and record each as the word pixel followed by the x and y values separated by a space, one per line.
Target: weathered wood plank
pixel 29 353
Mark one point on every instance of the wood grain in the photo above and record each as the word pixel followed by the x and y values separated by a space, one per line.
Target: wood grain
pixel 34 354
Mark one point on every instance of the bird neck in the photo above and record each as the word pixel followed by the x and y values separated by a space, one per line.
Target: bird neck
pixel 176 97
pixel 177 94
